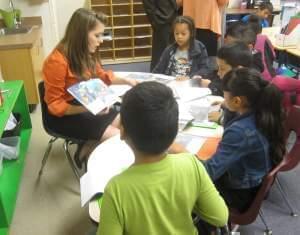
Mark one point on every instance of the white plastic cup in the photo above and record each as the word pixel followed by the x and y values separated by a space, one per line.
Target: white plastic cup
pixel 200 112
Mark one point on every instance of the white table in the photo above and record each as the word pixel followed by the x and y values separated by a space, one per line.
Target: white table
pixel 113 156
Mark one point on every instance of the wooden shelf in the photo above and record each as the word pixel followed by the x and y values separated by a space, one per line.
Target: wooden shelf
pixel 126 60
pixel 125 37
pixel 101 5
pixel 142 26
pixel 130 29
pixel 143 36
pixel 140 14
pixel 123 48
pixel 105 49
pixel 120 4
pixel 125 15
pixel 142 47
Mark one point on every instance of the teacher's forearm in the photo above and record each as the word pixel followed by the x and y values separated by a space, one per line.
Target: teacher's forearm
pixel 119 81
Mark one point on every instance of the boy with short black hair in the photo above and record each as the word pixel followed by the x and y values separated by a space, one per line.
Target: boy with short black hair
pixel 245 33
pixel 229 56
pixel 158 193
pixel 265 9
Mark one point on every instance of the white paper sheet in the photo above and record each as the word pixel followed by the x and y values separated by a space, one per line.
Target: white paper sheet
pixel 120 90
pixel 191 142
pixel 204 132
pixel 186 94
pixel 107 160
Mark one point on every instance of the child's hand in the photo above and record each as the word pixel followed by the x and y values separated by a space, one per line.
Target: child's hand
pixel 205 82
pixel 214 116
pixel 216 103
pixel 182 78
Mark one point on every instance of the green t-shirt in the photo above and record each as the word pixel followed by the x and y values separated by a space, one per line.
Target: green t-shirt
pixel 158 198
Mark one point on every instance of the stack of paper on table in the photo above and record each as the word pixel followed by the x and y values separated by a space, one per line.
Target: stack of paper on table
pixel 186 94
pixel 204 131
pixel 185 117
pixel 120 90
pixel 192 82
pixel 197 111
pixel 146 77
pixel 107 160
pixel 191 143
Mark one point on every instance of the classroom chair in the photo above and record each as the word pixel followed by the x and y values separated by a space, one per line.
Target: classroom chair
pixel 68 140
pixel 292 158
pixel 249 216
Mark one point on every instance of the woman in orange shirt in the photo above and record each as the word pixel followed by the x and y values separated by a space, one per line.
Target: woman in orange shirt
pixel 75 59
pixel 207 17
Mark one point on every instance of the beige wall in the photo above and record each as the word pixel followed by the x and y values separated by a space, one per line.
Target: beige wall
pixel 64 10
pixel 55 15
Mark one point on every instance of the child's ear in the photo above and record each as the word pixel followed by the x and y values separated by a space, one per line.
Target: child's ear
pixel 238 101
pixel 242 101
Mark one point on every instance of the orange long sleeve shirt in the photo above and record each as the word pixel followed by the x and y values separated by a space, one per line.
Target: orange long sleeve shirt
pixel 58 78
pixel 206 13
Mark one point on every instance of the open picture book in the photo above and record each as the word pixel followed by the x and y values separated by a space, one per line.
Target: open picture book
pixel 94 94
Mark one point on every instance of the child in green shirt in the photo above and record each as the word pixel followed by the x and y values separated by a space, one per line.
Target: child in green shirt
pixel 159 192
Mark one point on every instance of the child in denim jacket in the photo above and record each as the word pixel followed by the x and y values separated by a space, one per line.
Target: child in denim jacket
pixel 252 142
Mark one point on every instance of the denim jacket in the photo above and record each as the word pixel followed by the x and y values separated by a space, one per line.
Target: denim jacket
pixel 243 154
pixel 197 53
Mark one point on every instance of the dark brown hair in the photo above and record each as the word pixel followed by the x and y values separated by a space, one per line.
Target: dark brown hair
pixel 265 100
pixel 266 5
pixel 75 45
pixel 191 26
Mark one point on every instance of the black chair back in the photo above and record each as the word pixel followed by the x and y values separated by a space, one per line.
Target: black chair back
pixel 47 118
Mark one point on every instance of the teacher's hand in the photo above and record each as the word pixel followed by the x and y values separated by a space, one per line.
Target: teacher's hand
pixel 131 82
pixel 104 111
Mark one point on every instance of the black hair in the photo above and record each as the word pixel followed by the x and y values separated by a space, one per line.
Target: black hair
pixel 191 26
pixel 240 31
pixel 254 23
pixel 266 5
pixel 264 99
pixel 235 29
pixel 236 54
pixel 149 115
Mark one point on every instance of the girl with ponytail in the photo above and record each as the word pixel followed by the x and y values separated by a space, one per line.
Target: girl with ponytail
pixel 253 142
